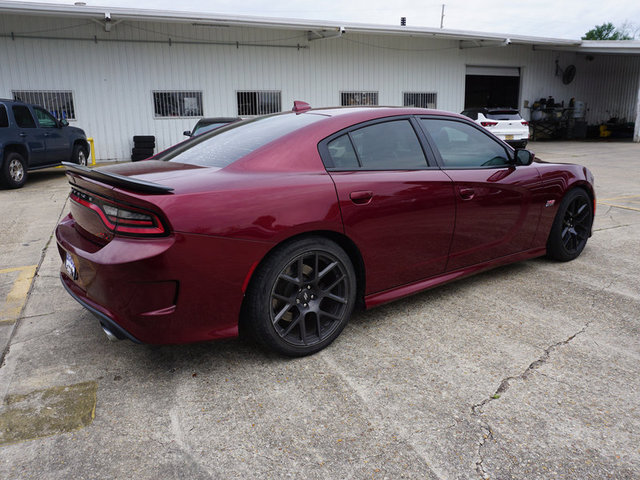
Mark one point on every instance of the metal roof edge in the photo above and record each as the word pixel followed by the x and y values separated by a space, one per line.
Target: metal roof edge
pixel 119 13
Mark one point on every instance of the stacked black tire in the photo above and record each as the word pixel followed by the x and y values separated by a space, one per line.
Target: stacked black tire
pixel 143 147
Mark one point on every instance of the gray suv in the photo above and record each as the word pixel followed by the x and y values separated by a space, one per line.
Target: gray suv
pixel 32 138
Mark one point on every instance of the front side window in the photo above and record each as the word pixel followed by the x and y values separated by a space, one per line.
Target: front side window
pixel 45 119
pixel 23 116
pixel 464 146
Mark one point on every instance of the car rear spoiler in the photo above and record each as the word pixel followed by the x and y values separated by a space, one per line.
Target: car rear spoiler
pixel 117 180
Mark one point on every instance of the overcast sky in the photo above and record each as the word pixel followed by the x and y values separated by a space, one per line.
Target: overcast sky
pixel 545 18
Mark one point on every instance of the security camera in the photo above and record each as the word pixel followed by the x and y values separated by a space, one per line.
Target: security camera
pixel 342 30
pixel 107 17
pixel 507 41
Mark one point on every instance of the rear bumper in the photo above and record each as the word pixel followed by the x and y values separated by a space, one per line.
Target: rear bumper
pixel 169 290
pixel 103 317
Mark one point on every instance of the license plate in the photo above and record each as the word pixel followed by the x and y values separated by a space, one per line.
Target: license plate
pixel 70 266
pixel 508 137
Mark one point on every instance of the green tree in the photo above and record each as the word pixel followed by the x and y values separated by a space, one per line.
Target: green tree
pixel 606 31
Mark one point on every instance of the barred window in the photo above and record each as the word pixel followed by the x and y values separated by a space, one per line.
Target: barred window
pixel 421 100
pixel 59 103
pixel 177 103
pixel 358 98
pixel 259 102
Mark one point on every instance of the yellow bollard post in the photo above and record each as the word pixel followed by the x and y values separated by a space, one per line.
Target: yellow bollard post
pixel 93 153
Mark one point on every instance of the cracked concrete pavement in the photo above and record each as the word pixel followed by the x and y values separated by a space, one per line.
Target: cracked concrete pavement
pixel 527 371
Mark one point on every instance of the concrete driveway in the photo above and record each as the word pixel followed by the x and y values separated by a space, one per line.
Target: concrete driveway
pixel 529 371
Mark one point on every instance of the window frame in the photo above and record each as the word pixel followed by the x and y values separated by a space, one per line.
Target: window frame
pixel 434 148
pixel 258 113
pixel 41 95
pixel 360 92
pixel 404 103
pixel 427 151
pixel 200 96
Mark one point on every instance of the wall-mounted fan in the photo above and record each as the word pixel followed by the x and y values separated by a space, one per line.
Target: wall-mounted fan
pixel 568 74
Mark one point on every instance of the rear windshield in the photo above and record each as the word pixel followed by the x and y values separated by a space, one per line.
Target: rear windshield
pixel 503 115
pixel 226 145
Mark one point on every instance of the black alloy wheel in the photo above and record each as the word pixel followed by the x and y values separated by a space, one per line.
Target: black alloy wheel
pixel 572 226
pixel 302 297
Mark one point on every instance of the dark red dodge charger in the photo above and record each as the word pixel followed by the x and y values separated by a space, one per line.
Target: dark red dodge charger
pixel 283 224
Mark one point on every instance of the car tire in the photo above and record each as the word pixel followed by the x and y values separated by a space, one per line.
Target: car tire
pixel 301 297
pixel 80 155
pixel 572 226
pixel 14 170
pixel 144 138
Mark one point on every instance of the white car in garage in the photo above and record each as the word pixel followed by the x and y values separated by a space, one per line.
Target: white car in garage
pixel 504 123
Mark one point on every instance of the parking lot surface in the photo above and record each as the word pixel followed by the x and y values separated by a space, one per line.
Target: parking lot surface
pixel 529 371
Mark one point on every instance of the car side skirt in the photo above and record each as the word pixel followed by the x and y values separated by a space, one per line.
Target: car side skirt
pixel 396 293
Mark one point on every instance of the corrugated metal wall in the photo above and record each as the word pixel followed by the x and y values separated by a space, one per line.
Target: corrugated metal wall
pixel 112 82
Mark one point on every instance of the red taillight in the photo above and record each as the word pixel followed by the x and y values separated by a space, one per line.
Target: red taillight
pixel 119 218
pixel 488 124
pixel 525 123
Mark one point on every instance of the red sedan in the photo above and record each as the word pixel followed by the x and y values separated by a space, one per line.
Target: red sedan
pixel 283 224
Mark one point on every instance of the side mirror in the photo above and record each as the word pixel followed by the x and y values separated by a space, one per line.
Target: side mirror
pixel 64 123
pixel 187 133
pixel 523 157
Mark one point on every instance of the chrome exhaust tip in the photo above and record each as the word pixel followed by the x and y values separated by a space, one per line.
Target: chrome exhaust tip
pixel 110 335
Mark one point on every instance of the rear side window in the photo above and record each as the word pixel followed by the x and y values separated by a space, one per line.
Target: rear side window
pixel 388 146
pixel 226 145
pixel 342 153
pixel 464 146
pixel 23 116
pixel 4 119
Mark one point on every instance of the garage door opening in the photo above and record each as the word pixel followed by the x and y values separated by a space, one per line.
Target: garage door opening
pixel 492 87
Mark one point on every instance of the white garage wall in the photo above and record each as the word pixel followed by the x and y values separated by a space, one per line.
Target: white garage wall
pixel 112 81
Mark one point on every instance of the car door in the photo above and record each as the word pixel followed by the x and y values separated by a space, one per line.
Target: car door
pixel 497 205
pixel 56 140
pixel 29 132
pixel 396 206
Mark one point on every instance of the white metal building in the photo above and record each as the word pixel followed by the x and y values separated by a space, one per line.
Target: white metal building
pixel 122 72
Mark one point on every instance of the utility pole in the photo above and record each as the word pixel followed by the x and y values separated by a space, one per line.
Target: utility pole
pixel 442 17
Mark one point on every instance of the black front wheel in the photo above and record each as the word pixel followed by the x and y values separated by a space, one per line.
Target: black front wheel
pixel 572 226
pixel 301 297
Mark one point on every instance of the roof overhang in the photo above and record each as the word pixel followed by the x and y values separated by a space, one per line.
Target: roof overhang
pixel 318 28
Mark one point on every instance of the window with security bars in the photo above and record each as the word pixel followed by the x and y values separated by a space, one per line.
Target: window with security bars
pixel 358 98
pixel 421 100
pixel 177 103
pixel 259 102
pixel 58 103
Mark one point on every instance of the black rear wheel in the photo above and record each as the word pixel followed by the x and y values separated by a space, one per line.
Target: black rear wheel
pixel 571 227
pixel 301 298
